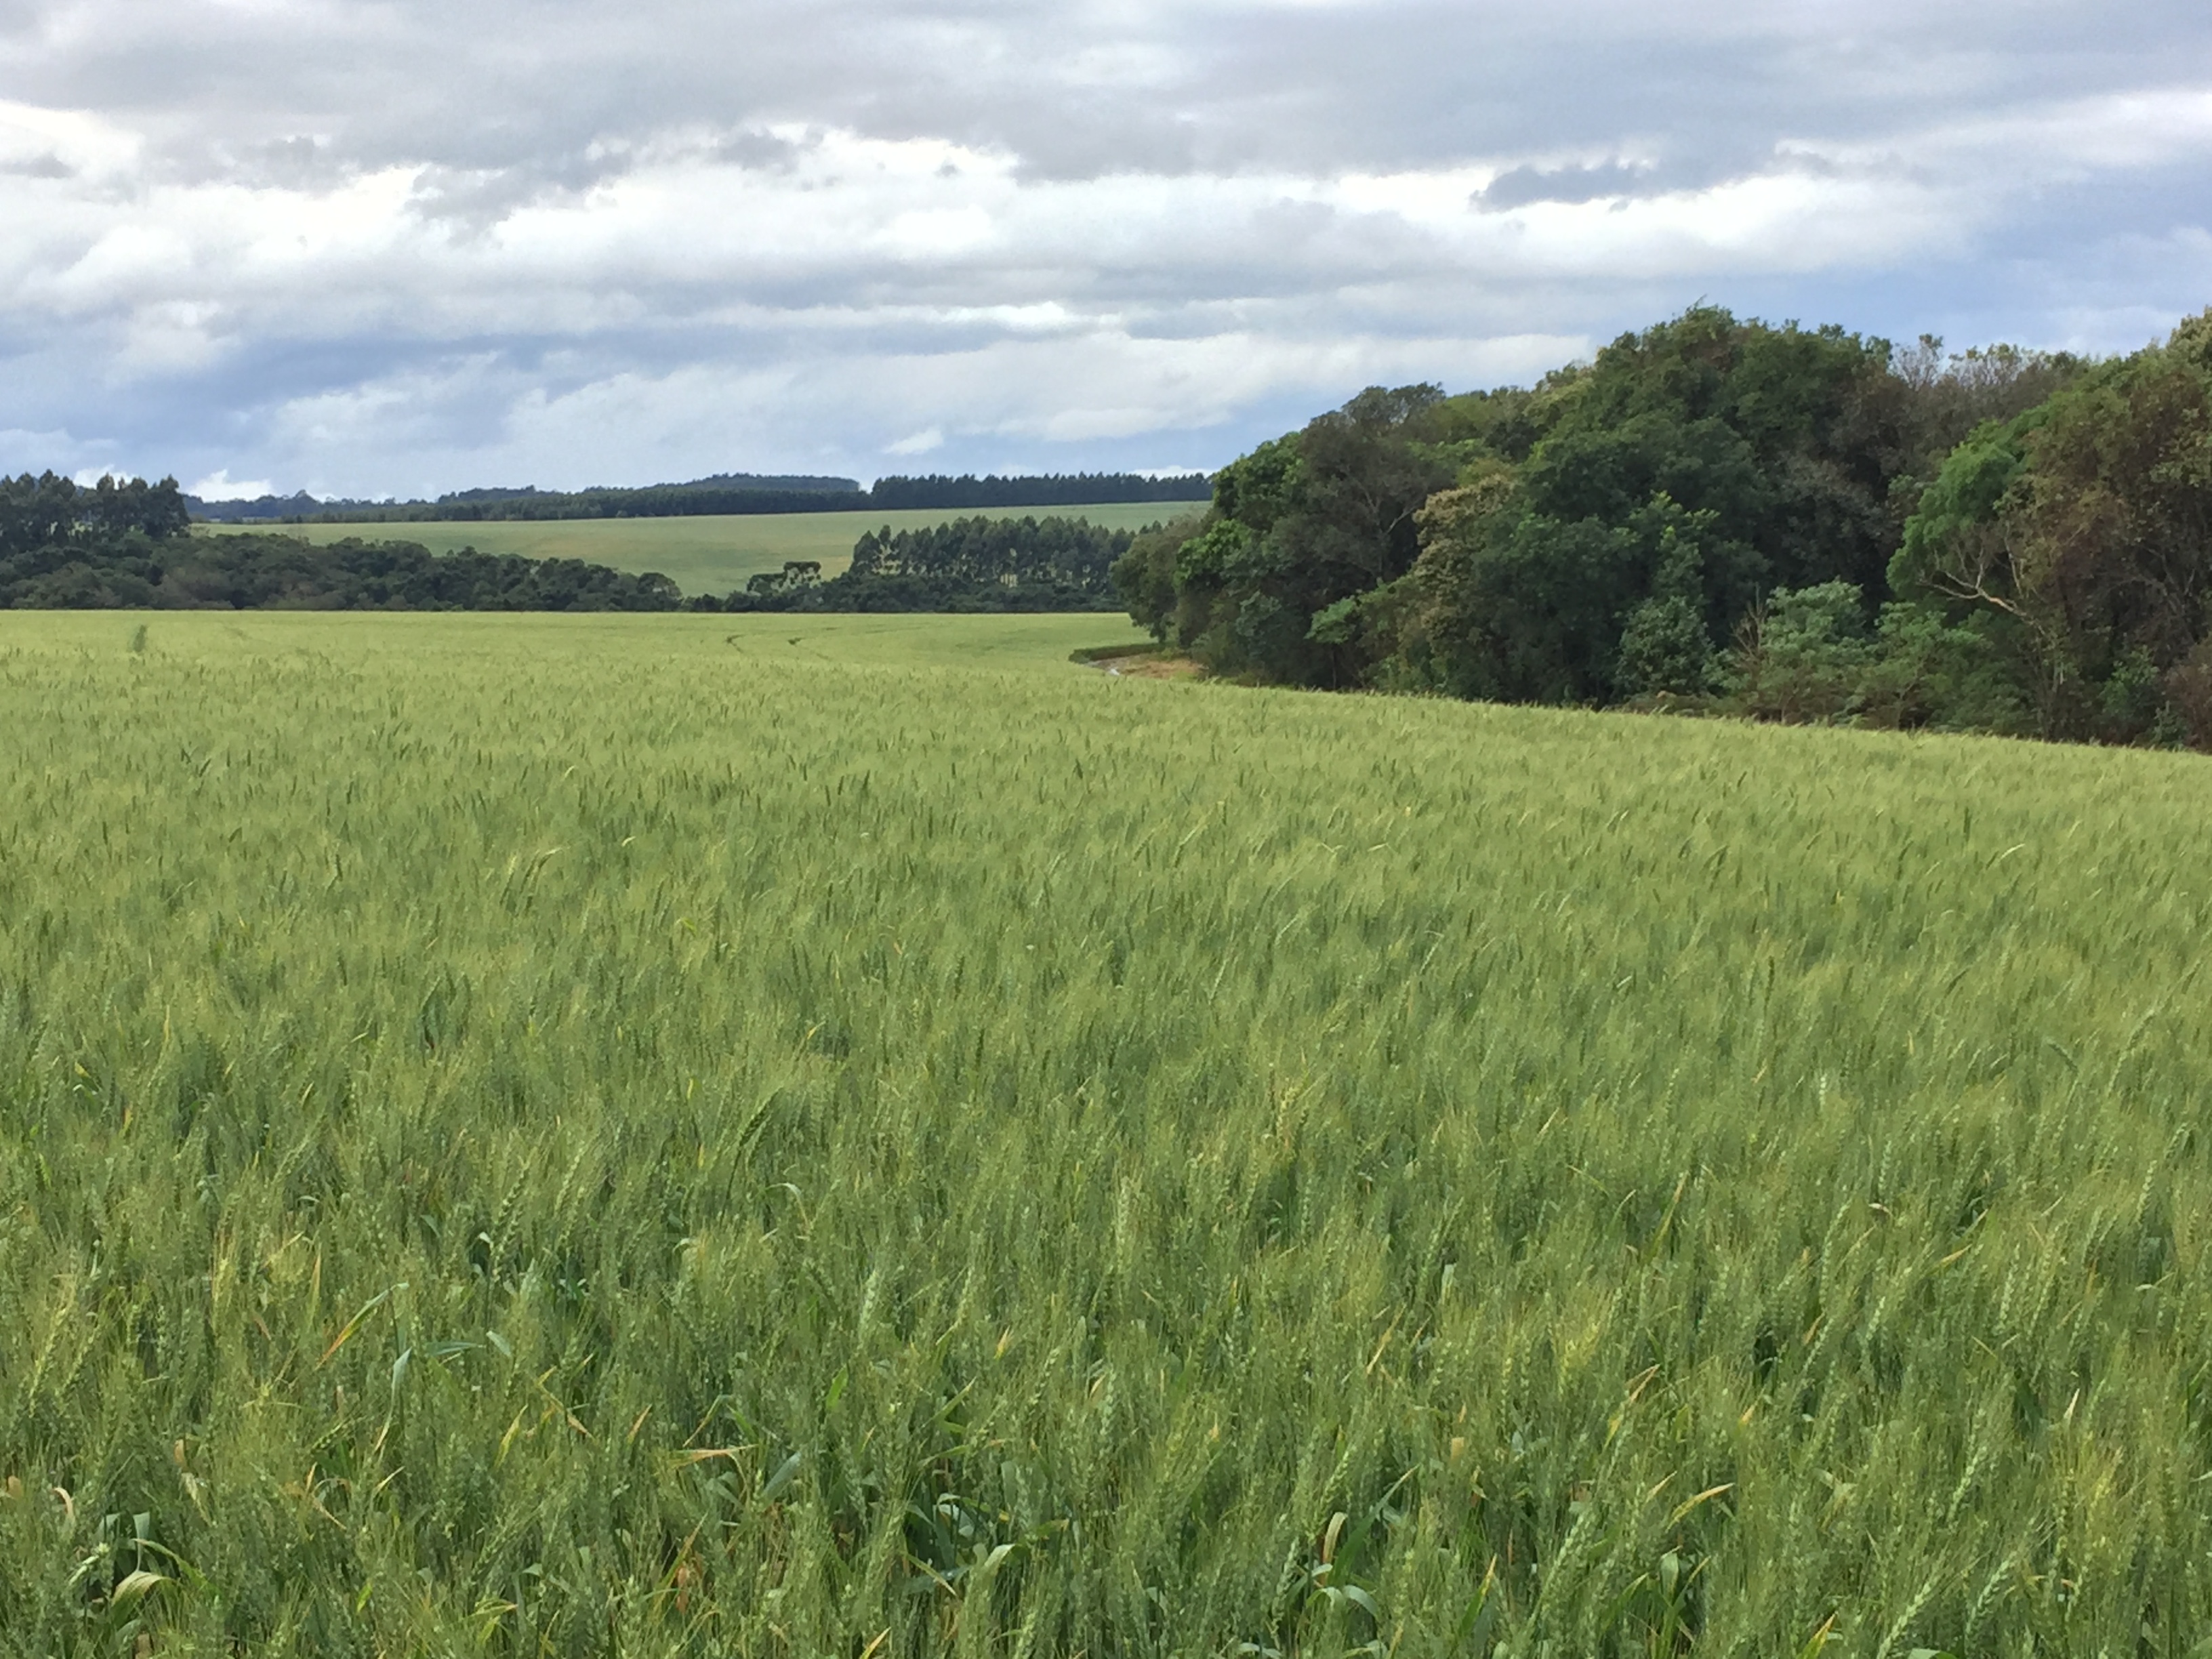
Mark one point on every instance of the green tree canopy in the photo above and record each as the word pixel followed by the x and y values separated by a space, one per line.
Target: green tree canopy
pixel 2079 533
pixel 1787 522
pixel 1688 467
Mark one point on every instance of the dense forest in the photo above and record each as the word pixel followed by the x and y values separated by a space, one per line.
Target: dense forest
pixel 969 565
pixel 725 493
pixel 1720 515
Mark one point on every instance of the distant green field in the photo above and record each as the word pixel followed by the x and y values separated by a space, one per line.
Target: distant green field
pixel 703 554
pixel 849 1137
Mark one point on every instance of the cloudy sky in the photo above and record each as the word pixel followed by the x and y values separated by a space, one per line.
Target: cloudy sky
pixel 403 246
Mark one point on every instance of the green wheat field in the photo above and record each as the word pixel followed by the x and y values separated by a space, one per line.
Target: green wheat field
pixel 697 1135
pixel 706 554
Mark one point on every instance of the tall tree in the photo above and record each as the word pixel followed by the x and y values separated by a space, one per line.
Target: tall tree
pixel 2081 532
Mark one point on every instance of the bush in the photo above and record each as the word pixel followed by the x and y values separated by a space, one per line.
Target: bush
pixel 1804 655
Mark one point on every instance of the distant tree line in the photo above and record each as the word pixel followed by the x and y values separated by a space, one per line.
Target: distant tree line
pixel 263 572
pixel 527 501
pixel 725 493
pixel 968 565
pixel 49 511
pixel 1042 489
pixel 1720 515
pixel 125 544
pixel 705 498
pixel 64 546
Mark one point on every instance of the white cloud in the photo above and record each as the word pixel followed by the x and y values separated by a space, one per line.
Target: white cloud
pixel 410 247
pixel 57 143
pixel 220 486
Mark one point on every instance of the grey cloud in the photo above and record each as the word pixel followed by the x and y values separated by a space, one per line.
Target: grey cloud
pixel 1133 180
pixel 751 149
pixel 503 84
pixel 1519 187
pixel 48 166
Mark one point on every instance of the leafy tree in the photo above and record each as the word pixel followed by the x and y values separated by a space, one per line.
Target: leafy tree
pixel 2188 695
pixel 1998 539
pixel 2081 533
pixel 1585 540
pixel 969 564
pixel 48 512
pixel 1304 523
pixel 984 551
pixel 796 577
pixel 1666 646
pixel 1791 436
pixel 1802 656
pixel 1930 672
pixel 1529 607
pixel 1950 396
pixel 1145 576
